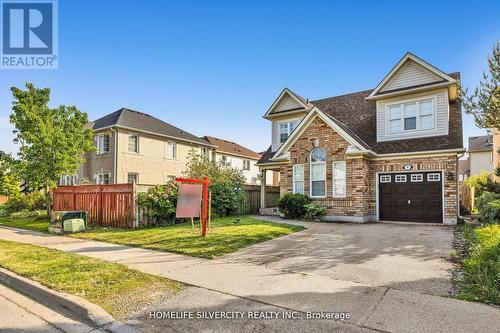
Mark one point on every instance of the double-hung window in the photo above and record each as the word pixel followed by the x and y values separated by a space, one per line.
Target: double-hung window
pixel 298 178
pixel 102 143
pixel 339 179
pixel 418 115
pixel 133 177
pixel 171 150
pixel 103 178
pixel 204 152
pixel 246 164
pixel 133 144
pixel 286 128
pixel 318 172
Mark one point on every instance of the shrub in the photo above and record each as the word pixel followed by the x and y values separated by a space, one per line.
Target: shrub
pixel 488 205
pixel 293 205
pixel 314 212
pixel 478 182
pixel 160 202
pixel 25 202
pixel 491 212
pixel 223 182
pixel 482 267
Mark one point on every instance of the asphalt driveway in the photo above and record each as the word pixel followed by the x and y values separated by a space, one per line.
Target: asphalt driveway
pixel 399 256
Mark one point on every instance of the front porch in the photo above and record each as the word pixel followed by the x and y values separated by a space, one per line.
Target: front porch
pixel 269 190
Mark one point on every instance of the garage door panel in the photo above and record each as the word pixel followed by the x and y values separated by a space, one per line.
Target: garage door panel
pixel 434 190
pixel 418 189
pixel 400 190
pixel 434 203
pixel 385 190
pixel 417 201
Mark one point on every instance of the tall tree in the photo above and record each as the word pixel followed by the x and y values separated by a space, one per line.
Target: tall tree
pixel 52 140
pixel 484 103
pixel 9 180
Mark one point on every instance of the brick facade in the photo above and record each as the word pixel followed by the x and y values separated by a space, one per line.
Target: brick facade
pixel 360 203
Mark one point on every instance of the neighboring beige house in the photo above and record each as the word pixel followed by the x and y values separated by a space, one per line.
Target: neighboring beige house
pixel 496 153
pixel 480 154
pixel 239 157
pixel 132 146
pixel 384 154
pixel 463 169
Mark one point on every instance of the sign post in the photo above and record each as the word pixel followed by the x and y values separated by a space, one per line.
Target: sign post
pixel 204 212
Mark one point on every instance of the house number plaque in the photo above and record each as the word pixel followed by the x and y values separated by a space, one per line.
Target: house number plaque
pixel 407 167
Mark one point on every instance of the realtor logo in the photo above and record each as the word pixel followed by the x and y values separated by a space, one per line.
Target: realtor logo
pixel 29 34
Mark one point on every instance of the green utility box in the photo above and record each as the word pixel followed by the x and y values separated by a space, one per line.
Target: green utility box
pixel 73 225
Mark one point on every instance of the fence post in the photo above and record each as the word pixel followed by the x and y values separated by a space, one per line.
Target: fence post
pixel 135 211
pixel 100 206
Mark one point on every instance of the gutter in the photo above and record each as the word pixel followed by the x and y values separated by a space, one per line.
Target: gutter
pixel 458 184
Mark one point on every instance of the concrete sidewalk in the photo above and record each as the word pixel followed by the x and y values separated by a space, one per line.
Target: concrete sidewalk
pixel 379 308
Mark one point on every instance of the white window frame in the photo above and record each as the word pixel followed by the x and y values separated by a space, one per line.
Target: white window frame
pixel 311 163
pixel 100 178
pixel 400 181
pixel 174 151
pixel 136 143
pixel 136 177
pixel 294 181
pixel 418 116
pixel 334 180
pixel 416 177
pixel 288 124
pixel 434 177
pixel 100 137
pixel 383 178
pixel 204 152
pixel 246 167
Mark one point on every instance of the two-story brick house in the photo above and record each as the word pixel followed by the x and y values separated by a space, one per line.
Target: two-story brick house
pixel 388 153
pixel 132 146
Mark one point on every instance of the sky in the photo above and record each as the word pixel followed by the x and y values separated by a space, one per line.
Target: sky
pixel 214 67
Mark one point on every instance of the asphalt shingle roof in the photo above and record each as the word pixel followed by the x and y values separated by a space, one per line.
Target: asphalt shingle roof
pixel 230 147
pixel 144 122
pixel 357 116
pixel 484 142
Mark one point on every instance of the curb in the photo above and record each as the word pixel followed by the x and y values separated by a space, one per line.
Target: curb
pixel 77 306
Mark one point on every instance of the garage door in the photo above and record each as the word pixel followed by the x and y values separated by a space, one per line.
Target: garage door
pixel 411 197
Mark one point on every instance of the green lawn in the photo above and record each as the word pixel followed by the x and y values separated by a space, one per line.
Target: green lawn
pixel 481 268
pixel 224 237
pixel 114 287
pixel 40 223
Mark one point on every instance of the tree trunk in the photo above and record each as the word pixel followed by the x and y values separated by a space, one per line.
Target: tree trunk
pixel 48 200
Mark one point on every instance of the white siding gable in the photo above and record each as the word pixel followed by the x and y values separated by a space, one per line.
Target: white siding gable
pixel 288 103
pixel 410 74
pixel 441 116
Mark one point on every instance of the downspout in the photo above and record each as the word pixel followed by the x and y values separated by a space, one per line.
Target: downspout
pixel 458 184
pixel 115 154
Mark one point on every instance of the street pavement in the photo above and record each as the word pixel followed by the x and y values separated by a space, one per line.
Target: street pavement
pixel 20 314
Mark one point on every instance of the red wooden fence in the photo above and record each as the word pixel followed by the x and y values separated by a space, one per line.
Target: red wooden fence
pixel 106 205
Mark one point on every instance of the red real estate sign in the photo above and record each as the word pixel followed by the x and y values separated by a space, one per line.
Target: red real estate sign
pixel 189 200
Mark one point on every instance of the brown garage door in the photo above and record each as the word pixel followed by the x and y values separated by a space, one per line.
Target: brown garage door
pixel 411 197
